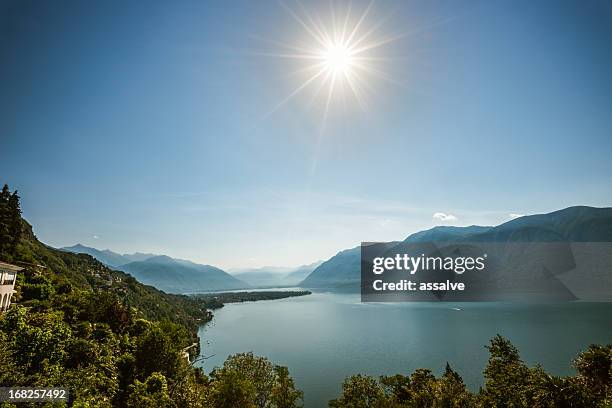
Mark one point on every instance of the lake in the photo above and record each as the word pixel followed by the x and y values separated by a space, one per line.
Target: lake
pixel 325 337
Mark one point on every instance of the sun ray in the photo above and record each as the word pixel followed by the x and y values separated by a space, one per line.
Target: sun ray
pixel 376 72
pixel 354 87
pixel 296 91
pixel 290 47
pixel 347 16
pixel 286 55
pixel 316 25
pixel 367 34
pixel 308 29
pixel 361 20
pixel 318 90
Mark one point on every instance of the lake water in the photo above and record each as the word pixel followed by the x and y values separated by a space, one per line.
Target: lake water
pixel 325 337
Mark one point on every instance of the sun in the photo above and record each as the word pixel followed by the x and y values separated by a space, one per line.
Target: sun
pixel 338 59
pixel 339 56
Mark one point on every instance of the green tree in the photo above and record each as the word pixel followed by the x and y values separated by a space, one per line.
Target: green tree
pixel 5 193
pixel 14 222
pixel 5 219
pixel 507 378
pixel 257 370
pixel 37 288
pixel 559 392
pixel 284 394
pixel 422 388
pixel 264 385
pixel 10 373
pixel 152 393
pixel 232 389
pixel 191 389
pixel 595 366
pixel 451 391
pixel 105 307
pixel 38 340
pixel 156 351
pixel 360 391
pixel 397 387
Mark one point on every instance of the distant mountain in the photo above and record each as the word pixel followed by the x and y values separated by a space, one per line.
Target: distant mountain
pixel 445 233
pixel 138 256
pixel 107 257
pixel 163 272
pixel 573 224
pixel 178 276
pixel 301 272
pixel 271 276
pixel 342 269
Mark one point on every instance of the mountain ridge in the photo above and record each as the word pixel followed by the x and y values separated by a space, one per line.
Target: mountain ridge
pixel 574 224
pixel 164 272
pixel 176 276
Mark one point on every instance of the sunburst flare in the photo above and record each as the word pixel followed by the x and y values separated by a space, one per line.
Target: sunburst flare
pixel 340 55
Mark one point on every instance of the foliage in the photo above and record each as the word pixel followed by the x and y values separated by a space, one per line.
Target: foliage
pixel 251 381
pixel 153 393
pixel 360 391
pixel 595 368
pixel 10 222
pixel 509 383
pixel 506 376
pixel 284 394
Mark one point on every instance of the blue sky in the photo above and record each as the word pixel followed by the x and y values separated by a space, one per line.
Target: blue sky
pixel 147 127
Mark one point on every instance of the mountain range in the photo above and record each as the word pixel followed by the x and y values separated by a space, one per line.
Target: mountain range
pixel 342 271
pixel 573 224
pixel 163 272
pixel 108 257
pixel 179 276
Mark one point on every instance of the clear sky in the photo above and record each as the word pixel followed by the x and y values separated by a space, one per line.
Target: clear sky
pixel 156 126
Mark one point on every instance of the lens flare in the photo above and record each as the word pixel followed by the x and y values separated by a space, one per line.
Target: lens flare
pixel 340 55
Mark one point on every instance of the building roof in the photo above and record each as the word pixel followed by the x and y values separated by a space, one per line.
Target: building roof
pixel 8 267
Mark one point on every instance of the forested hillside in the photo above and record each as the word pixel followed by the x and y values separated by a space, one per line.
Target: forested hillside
pixel 111 340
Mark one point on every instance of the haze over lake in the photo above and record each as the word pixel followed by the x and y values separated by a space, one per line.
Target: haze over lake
pixel 325 337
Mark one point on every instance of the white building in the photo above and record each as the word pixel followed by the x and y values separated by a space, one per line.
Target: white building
pixel 8 275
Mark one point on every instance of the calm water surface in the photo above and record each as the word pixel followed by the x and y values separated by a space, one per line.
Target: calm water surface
pixel 325 337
